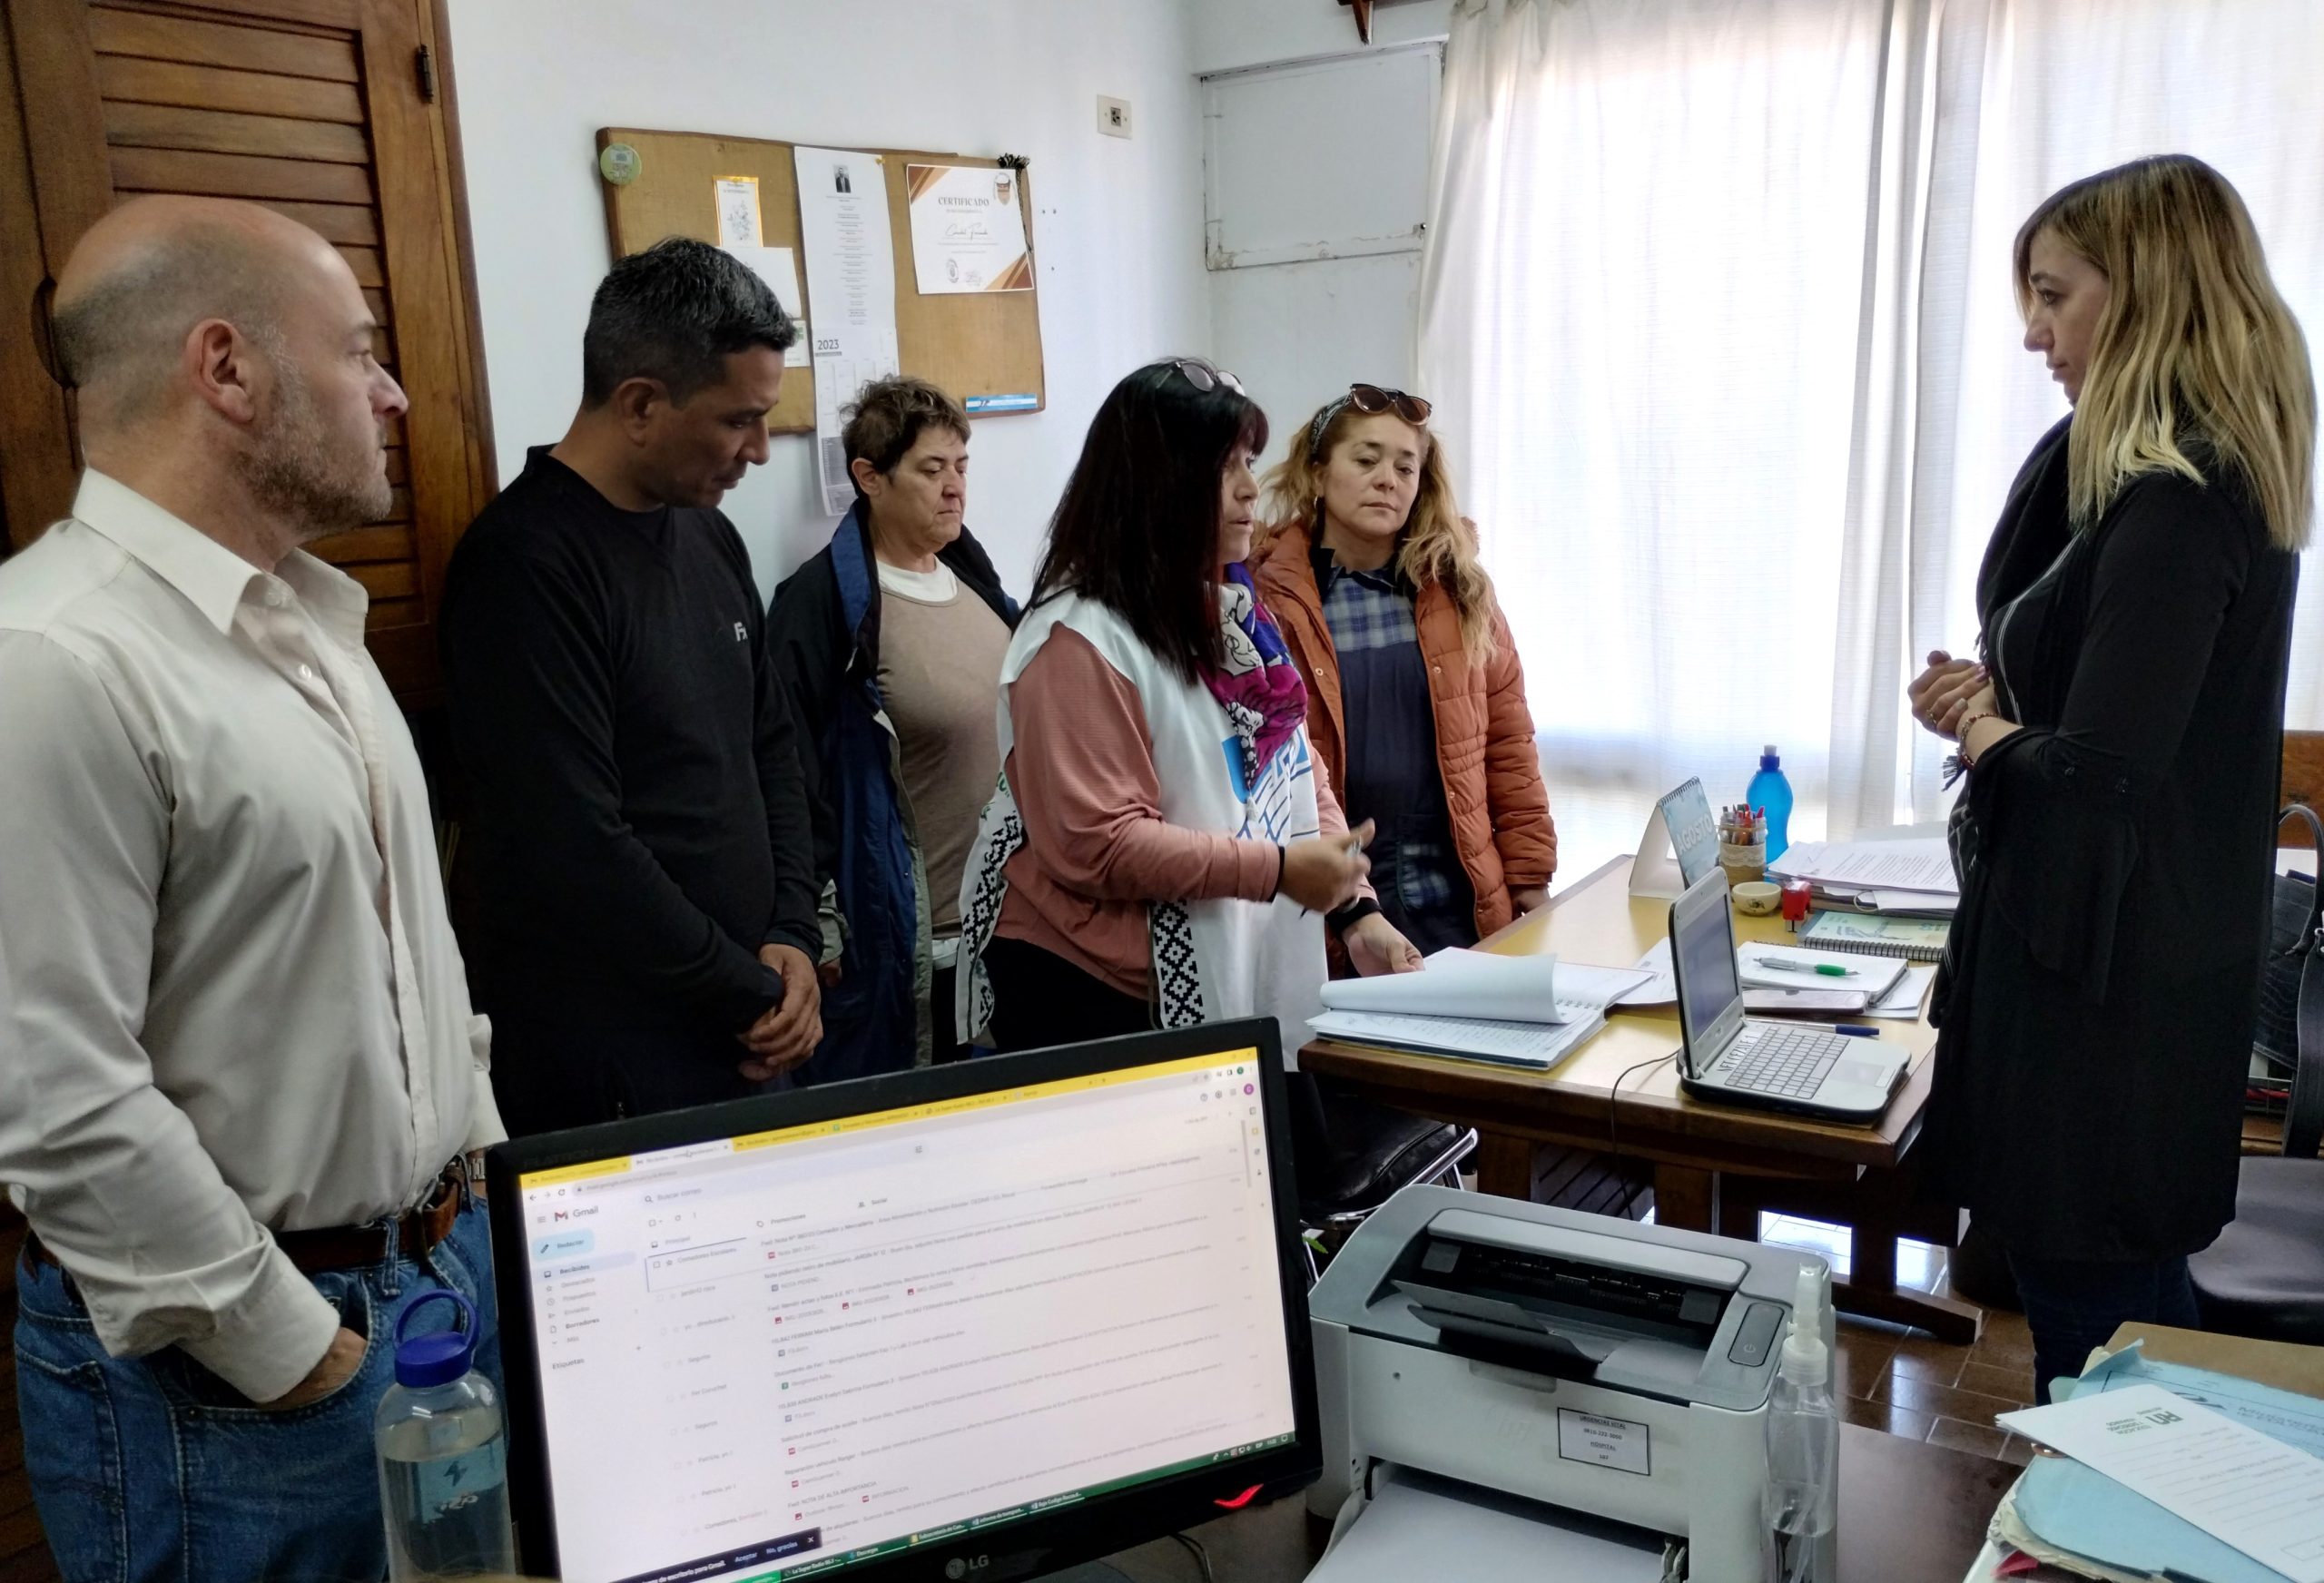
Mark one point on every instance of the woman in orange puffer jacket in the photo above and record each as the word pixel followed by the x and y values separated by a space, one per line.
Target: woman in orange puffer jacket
pixel 1417 700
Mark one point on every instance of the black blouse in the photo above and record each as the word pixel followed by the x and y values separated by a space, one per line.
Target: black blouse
pixel 2096 1006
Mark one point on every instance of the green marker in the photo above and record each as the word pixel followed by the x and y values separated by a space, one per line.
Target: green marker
pixel 1823 970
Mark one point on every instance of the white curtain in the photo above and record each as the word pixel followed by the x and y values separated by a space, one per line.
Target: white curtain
pixel 1717 312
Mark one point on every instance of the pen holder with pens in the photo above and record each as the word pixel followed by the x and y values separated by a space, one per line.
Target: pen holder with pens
pixel 1742 851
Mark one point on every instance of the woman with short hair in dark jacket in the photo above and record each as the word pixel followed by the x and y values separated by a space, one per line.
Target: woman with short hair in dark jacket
pixel 889 642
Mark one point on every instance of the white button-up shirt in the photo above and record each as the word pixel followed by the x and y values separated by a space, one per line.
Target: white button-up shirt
pixel 230 998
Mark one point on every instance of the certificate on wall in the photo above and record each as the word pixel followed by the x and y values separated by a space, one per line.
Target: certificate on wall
pixel 967 230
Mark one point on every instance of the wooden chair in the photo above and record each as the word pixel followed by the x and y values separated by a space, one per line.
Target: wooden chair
pixel 2303 778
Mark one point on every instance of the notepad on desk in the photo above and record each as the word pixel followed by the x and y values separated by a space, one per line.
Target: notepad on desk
pixel 1914 940
pixel 1764 966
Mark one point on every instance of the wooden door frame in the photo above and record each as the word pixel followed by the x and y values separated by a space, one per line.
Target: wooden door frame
pixel 37 464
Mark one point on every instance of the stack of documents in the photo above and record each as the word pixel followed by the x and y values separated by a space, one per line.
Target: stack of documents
pixel 2168 1471
pixel 1911 877
pixel 1526 1011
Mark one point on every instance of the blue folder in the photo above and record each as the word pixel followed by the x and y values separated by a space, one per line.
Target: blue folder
pixel 2087 1514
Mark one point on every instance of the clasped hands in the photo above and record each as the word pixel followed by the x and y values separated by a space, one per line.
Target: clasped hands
pixel 788 1031
pixel 1948 690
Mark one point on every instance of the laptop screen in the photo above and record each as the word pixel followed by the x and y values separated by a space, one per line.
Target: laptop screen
pixel 1702 951
pixel 788 1352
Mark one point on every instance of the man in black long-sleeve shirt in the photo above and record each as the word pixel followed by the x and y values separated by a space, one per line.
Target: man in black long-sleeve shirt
pixel 638 810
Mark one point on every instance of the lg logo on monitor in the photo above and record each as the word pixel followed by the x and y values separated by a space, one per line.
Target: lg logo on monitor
pixel 960 1567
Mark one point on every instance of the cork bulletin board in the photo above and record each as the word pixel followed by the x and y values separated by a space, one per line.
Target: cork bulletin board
pixel 976 346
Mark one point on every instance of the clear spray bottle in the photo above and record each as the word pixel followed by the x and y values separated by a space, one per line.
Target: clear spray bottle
pixel 1802 1496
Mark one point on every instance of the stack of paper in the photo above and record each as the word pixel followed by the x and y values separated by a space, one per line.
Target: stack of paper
pixel 1523 1010
pixel 1909 878
pixel 2174 1472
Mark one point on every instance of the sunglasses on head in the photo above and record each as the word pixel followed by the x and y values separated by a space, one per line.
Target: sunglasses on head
pixel 1205 378
pixel 1370 400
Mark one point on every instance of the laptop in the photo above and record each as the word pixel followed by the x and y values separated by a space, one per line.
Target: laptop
pixel 1783 1066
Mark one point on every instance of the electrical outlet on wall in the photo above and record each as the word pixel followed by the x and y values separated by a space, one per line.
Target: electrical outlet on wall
pixel 1113 116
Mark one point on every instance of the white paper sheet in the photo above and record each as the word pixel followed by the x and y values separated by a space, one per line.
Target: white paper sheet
pixel 1481 984
pixel 852 284
pixel 1872 975
pixel 1416 1529
pixel 1662 987
pixel 2264 1498
pixel 1904 1002
pixel 1919 864
pixel 967 230
pixel 779 268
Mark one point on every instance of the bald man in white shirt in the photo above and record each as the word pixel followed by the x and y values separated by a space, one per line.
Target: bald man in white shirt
pixel 244 1077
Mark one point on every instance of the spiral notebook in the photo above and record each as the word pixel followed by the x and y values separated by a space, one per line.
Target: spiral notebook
pixel 1915 939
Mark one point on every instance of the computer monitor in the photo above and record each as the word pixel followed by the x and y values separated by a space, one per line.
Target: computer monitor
pixel 982 1320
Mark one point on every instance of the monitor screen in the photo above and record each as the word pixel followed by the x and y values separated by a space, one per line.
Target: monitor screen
pixel 1702 946
pixel 993 1293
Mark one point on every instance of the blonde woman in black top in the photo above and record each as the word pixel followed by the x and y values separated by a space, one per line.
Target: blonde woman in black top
pixel 2121 741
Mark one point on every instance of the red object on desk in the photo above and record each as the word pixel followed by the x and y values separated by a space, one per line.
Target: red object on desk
pixel 1796 893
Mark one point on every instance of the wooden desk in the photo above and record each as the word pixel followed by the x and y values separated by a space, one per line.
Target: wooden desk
pixel 1846 1174
pixel 1909 1513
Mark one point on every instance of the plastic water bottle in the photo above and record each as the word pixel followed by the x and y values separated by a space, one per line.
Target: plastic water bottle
pixel 443 1456
pixel 1770 792
pixel 1801 1500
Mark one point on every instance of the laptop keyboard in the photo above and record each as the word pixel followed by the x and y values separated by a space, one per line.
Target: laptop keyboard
pixel 1790 1063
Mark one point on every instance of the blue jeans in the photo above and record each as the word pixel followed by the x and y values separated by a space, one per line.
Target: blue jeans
pixel 2072 1305
pixel 153 1467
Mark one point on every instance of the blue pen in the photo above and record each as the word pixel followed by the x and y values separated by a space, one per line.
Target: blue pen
pixel 1855 1030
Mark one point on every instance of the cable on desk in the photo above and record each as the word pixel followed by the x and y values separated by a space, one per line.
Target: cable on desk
pixel 1614 1103
pixel 1201 1555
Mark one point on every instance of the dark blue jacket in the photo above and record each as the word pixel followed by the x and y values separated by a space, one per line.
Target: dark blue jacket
pixel 824 633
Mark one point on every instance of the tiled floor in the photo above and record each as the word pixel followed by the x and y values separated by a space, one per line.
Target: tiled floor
pixel 1908 1382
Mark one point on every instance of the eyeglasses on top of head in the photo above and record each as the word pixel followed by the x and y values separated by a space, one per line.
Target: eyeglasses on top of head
pixel 1370 400
pixel 1207 377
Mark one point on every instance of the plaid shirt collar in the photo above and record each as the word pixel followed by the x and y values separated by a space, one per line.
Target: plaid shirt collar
pixel 1388 579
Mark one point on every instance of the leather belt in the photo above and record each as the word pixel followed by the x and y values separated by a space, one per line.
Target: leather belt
pixel 351 1247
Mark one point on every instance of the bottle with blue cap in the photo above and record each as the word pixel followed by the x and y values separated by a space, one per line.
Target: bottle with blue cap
pixel 1770 793
pixel 443 1444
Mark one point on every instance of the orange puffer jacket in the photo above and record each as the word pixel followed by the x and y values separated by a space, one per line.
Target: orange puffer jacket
pixel 1484 733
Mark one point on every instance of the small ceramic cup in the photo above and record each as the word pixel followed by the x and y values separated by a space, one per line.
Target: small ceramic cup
pixel 1757 898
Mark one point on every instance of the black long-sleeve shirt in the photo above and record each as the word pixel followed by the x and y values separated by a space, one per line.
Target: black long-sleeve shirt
pixel 636 804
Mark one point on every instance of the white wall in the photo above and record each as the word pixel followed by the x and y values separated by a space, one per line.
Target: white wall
pixel 1314 250
pixel 1310 287
pixel 1117 228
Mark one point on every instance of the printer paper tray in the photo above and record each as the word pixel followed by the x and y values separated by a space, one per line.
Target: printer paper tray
pixel 1417 1527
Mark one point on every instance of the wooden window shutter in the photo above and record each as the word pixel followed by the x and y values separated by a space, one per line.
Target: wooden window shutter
pixel 332 112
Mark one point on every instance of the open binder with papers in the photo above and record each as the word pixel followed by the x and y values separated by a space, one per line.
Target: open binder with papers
pixel 1523 1010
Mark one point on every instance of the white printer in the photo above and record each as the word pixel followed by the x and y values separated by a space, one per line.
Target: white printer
pixel 1582 1394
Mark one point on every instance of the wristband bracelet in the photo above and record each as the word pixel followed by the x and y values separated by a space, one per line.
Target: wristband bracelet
pixel 1961 734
